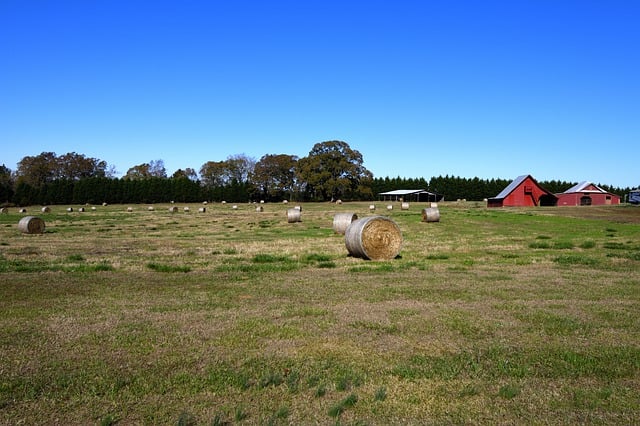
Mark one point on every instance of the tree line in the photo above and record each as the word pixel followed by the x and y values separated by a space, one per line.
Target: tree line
pixel 331 171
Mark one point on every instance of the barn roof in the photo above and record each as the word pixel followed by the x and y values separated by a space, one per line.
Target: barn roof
pixel 513 185
pixel 581 187
pixel 406 192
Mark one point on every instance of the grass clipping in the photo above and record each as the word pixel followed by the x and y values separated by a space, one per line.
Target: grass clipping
pixel 374 237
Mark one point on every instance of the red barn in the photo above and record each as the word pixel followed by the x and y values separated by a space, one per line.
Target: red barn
pixel 524 191
pixel 586 194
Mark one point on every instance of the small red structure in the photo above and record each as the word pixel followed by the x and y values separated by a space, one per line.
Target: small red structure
pixel 587 194
pixel 524 191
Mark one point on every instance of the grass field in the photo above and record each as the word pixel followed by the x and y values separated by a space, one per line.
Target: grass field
pixel 491 316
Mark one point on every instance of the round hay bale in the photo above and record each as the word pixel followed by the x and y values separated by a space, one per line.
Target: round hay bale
pixel 173 209
pixel 235 207
pixel 81 209
pixel 390 207
pixel 372 207
pixel 23 210
pixel 224 202
pixel 285 201
pixel 294 215
pixel 202 210
pixel 45 210
pixel 338 201
pixel 187 209
pixel 342 220
pixel 404 206
pixel 93 208
pixel 104 204
pixel 259 209
pixel 4 210
pixel 299 208
pixel 373 237
pixel 150 208
pixel 31 225
pixel 204 203
pixel 434 205
pixel 431 214
pixel 129 209
pixel 69 209
pixel 261 201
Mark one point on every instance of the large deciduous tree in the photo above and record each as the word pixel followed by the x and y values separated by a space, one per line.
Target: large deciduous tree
pixel 274 176
pixel 48 167
pixel 153 169
pixel 333 170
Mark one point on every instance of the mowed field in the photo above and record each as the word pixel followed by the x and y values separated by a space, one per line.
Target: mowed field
pixel 490 316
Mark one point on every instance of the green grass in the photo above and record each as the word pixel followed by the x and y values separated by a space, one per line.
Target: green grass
pixel 494 316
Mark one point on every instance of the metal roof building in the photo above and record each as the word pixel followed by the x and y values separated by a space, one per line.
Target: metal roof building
pixel 410 194
pixel 586 194
pixel 523 191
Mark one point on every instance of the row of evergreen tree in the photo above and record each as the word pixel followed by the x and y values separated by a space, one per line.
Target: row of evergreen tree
pixel 96 190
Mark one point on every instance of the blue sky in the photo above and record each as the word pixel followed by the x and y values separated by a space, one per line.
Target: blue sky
pixel 488 89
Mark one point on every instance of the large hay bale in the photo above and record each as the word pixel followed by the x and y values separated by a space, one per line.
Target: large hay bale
pixel 299 208
pixel 22 210
pixel 259 209
pixel 338 201
pixel 342 220
pixel 173 209
pixel 186 209
pixel 373 237
pixel 45 209
pixel 129 209
pixel 431 214
pixel 372 207
pixel 202 210
pixel 4 210
pixel 434 205
pixel 81 209
pixel 69 209
pixel 31 225
pixel 390 207
pixel 150 208
pixel 404 206
pixel 294 215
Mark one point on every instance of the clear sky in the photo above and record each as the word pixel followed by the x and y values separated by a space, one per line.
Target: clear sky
pixel 486 88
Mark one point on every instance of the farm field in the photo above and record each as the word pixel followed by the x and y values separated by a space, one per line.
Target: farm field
pixel 490 316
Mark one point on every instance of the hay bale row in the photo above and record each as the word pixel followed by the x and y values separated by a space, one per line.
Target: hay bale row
pixel 342 220
pixel 373 237
pixel 31 225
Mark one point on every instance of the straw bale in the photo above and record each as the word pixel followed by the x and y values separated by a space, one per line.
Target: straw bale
pixel 431 214
pixel 342 220
pixel 294 215
pixel 31 225
pixel 374 237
